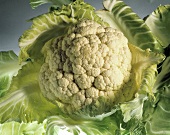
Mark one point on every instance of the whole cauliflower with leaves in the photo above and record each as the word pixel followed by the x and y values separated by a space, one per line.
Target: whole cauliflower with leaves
pixel 89 62
pixel 82 69
pixel 88 65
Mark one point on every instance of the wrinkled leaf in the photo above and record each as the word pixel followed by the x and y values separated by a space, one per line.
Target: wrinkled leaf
pixel 56 3
pixel 51 25
pixel 158 21
pixel 16 128
pixel 24 101
pixel 9 67
pixel 122 17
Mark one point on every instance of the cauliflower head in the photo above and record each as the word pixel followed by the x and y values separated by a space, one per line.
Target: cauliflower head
pixel 87 64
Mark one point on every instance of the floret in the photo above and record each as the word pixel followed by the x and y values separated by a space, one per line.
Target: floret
pixel 89 62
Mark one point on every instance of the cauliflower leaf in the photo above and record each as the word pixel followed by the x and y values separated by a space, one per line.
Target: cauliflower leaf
pixel 17 128
pixel 158 22
pixel 53 24
pixel 60 124
pixel 9 67
pixel 55 3
pixel 157 114
pixel 121 16
pixel 24 101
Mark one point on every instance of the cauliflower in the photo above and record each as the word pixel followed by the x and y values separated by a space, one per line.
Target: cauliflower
pixel 90 62
pixel 82 71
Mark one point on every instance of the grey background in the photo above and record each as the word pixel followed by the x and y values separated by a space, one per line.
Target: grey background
pixel 15 13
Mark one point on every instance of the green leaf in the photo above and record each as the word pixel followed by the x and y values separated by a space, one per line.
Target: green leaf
pixel 163 78
pixel 16 128
pixel 143 61
pixel 36 3
pixel 24 101
pixel 157 114
pixel 56 3
pixel 159 122
pixel 52 25
pixel 9 67
pixel 133 127
pixel 58 125
pixel 122 17
pixel 134 108
pixel 158 21
pixel 139 89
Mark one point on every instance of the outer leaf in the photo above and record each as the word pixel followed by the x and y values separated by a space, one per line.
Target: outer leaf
pixel 159 22
pixel 16 128
pixel 53 24
pixel 133 127
pixel 59 125
pixel 111 125
pixel 143 78
pixel 56 3
pixel 121 16
pixel 134 108
pixel 142 62
pixel 9 67
pixel 159 122
pixel 24 101
pixel 157 114
pixel 163 78
pixel 36 3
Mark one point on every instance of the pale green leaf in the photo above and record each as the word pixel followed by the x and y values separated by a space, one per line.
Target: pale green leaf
pixel 56 3
pixel 158 21
pixel 51 25
pixel 121 16
pixel 9 66
pixel 16 128
pixel 24 101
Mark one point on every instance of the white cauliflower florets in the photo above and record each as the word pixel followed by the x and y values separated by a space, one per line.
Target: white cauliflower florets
pixel 89 62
